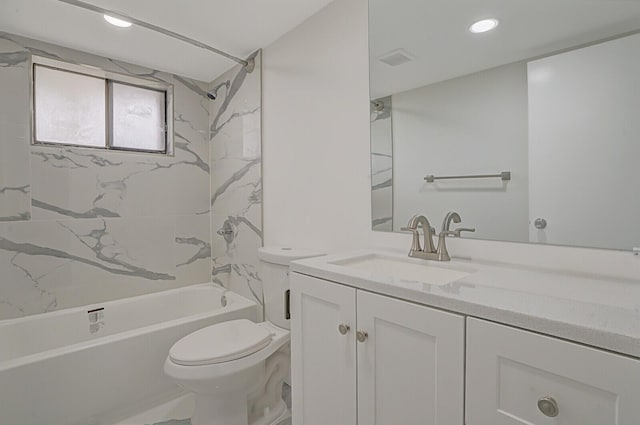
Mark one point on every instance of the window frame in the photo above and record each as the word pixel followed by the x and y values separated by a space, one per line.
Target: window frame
pixel 107 76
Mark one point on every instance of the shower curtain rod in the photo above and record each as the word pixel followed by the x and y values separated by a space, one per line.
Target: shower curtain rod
pixel 249 64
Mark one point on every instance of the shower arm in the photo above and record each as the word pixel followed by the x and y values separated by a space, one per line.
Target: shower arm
pixel 248 64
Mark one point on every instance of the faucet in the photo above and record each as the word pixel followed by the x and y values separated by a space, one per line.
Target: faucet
pixel 416 250
pixel 442 253
pixel 430 252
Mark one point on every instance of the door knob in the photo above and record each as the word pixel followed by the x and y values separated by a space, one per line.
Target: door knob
pixel 540 223
pixel 362 336
pixel 343 329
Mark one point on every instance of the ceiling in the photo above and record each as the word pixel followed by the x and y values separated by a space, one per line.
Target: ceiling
pixel 435 33
pixel 238 27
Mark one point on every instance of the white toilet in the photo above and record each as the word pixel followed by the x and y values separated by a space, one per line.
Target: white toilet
pixel 236 368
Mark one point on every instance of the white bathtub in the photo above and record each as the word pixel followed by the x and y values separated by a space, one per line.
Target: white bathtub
pixel 73 367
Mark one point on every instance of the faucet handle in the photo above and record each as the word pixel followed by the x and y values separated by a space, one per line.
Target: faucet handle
pixel 457 232
pixel 410 229
pixel 415 242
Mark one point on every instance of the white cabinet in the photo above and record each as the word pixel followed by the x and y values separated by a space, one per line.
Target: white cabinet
pixel 360 358
pixel 397 363
pixel 411 366
pixel 323 361
pixel 515 377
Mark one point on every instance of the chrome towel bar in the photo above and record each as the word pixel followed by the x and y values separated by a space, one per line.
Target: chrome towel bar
pixel 504 176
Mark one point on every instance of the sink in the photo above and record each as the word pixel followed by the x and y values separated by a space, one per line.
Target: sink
pixel 404 269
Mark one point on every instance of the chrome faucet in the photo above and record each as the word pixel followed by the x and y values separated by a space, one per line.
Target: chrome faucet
pixel 442 252
pixel 429 252
pixel 412 226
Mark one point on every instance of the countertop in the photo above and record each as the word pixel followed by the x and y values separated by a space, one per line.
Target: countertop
pixel 599 311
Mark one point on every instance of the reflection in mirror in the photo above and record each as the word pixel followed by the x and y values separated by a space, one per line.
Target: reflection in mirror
pixel 529 130
pixel 381 164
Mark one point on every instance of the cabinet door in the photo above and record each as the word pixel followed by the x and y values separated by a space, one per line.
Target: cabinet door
pixel 323 360
pixel 411 365
pixel 515 377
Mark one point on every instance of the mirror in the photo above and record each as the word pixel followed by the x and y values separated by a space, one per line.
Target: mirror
pixel 530 131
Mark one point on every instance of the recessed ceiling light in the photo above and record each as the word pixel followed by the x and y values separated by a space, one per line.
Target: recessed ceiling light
pixel 117 21
pixel 484 26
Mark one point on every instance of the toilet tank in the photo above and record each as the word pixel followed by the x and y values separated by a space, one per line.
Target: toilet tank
pixel 274 271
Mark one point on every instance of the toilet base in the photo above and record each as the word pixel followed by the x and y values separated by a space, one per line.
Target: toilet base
pixel 219 411
pixel 233 411
pixel 261 405
pixel 273 416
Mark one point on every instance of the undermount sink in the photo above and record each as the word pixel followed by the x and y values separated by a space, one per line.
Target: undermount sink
pixel 404 269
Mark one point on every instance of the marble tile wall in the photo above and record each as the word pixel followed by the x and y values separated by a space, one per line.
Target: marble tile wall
pixel 14 123
pixel 82 226
pixel 382 166
pixel 236 180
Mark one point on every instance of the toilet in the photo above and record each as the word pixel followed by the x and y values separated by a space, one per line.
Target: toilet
pixel 236 369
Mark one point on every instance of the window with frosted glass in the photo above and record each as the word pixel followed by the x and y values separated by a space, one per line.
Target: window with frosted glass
pixel 69 108
pixel 137 118
pixel 100 109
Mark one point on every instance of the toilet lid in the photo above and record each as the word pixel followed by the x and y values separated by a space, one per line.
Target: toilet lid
pixel 220 343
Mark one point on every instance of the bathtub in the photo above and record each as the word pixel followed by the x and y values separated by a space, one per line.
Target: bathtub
pixel 81 365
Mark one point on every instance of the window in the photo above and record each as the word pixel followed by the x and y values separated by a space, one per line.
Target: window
pixel 70 108
pixel 76 105
pixel 137 118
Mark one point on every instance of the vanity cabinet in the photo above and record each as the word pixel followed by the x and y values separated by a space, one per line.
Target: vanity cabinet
pixel 323 361
pixel 516 377
pixel 362 358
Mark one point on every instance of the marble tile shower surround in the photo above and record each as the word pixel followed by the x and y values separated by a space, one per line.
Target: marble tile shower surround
pixel 82 226
pixel 382 167
pixel 236 180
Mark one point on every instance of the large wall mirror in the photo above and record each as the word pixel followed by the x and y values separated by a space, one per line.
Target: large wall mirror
pixel 530 130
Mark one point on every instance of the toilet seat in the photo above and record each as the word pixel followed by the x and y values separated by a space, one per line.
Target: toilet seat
pixel 220 343
pixel 280 337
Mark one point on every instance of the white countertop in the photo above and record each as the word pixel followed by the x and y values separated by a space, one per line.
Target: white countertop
pixel 600 311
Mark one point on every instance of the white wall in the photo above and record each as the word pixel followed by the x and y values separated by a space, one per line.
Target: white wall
pixel 316 152
pixel 316 132
pixel 476 124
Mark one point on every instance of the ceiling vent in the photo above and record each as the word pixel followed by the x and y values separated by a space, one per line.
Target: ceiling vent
pixel 396 57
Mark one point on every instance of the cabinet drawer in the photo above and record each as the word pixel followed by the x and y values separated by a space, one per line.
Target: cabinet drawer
pixel 515 377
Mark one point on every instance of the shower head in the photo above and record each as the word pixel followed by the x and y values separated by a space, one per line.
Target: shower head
pixel 213 93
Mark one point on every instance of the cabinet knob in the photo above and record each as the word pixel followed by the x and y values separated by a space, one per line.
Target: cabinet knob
pixel 362 336
pixel 548 406
pixel 343 329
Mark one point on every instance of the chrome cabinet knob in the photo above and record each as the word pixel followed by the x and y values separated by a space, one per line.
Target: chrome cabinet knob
pixel 343 329
pixel 548 406
pixel 362 336
pixel 540 223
